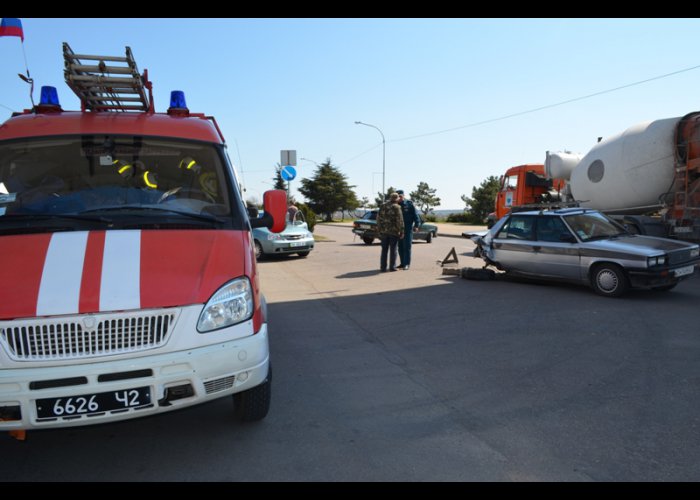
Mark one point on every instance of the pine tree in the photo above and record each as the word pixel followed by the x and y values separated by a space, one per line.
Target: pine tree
pixel 278 180
pixel 424 198
pixel 483 198
pixel 328 191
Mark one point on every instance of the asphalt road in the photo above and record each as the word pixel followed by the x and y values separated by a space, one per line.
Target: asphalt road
pixel 415 376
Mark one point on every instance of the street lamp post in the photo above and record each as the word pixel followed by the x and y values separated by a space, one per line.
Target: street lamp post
pixel 383 155
pixel 373 174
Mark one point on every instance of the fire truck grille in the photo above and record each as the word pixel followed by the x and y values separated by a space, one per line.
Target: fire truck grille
pixel 86 336
pixel 219 384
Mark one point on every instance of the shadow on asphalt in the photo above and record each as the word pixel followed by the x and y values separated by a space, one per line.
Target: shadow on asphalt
pixel 469 379
pixel 358 274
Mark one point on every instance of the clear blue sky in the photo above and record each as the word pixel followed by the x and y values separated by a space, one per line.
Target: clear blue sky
pixel 302 83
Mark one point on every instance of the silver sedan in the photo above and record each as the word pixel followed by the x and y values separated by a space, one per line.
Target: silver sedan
pixel 585 246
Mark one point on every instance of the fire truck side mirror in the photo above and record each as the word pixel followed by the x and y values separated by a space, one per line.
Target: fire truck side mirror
pixel 275 211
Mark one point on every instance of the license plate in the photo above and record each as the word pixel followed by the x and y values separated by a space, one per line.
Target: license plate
pixel 297 244
pixel 682 271
pixel 89 404
pixel 365 226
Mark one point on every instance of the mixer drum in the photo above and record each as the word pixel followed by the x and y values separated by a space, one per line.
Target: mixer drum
pixel 628 171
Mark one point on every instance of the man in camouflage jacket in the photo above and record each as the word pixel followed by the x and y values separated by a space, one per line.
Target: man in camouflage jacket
pixel 390 228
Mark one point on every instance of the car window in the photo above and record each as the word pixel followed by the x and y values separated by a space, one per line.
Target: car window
pixel 518 227
pixel 594 226
pixel 551 228
pixel 510 182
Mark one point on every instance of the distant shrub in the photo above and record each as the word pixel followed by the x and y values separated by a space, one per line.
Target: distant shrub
pixel 463 218
pixel 429 218
pixel 309 215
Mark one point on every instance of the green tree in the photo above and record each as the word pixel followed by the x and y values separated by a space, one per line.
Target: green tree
pixel 379 200
pixel 328 191
pixel 278 180
pixel 424 197
pixel 483 199
pixel 309 215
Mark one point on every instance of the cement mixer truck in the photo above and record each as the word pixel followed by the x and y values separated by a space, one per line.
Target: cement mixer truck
pixel 647 177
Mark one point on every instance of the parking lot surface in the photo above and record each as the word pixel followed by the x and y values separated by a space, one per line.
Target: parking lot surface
pixel 416 376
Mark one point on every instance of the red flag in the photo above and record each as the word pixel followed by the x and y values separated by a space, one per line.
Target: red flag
pixel 11 26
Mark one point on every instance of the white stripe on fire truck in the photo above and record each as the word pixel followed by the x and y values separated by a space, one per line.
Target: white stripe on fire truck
pixel 59 292
pixel 121 271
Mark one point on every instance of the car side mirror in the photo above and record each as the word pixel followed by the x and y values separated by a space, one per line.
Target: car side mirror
pixel 567 238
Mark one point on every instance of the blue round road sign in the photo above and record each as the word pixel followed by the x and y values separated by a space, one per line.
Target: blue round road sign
pixel 289 173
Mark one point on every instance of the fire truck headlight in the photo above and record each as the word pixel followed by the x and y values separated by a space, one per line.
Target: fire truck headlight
pixel 231 304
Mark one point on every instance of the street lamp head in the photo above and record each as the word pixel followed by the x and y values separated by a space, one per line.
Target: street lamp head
pixel 383 150
pixel 306 159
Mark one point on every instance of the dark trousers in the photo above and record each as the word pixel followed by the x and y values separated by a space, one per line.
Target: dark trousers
pixel 389 244
pixel 405 247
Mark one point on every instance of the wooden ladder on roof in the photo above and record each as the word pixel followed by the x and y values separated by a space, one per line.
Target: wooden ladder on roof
pixel 109 84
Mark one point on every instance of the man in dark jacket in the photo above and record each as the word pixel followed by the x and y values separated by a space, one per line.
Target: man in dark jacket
pixel 390 229
pixel 412 222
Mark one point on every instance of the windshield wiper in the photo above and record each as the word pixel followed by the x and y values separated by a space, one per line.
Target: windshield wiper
pixel 78 217
pixel 140 208
pixel 606 236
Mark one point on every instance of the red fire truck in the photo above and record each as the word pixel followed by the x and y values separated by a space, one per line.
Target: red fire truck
pixel 129 276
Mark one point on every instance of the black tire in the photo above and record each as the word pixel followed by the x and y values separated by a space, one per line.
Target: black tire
pixel 367 240
pixel 303 254
pixel 259 254
pixel 664 288
pixel 429 238
pixel 609 280
pixel 252 405
pixel 478 274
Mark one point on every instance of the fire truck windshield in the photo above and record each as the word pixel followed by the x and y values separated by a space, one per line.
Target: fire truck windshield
pixel 115 174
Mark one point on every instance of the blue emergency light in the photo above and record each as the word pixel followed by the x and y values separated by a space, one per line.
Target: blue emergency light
pixel 177 99
pixel 49 96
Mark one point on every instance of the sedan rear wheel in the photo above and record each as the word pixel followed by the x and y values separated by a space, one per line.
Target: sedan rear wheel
pixel 429 238
pixel 367 240
pixel 609 280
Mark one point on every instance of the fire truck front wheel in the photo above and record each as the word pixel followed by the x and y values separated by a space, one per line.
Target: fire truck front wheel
pixel 252 405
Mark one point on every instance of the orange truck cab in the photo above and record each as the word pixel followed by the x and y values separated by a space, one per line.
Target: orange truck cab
pixel 130 285
pixel 523 185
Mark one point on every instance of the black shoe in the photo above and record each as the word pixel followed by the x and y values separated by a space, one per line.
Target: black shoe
pixel 382 270
pixel 405 268
pixel 400 266
pixel 392 269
